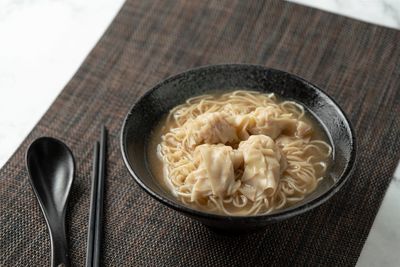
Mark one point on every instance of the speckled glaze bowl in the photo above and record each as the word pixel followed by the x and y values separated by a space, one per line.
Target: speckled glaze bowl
pixel 173 91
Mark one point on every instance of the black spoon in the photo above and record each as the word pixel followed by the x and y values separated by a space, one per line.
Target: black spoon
pixel 51 169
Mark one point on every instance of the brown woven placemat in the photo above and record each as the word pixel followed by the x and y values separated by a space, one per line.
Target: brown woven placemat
pixel 357 63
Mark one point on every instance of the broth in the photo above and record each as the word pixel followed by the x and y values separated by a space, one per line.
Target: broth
pixel 159 168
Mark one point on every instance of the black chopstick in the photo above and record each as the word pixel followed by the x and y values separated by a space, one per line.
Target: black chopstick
pixel 99 202
pixel 92 214
pixel 96 207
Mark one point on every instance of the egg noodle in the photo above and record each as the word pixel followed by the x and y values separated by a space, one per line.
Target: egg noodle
pixel 241 153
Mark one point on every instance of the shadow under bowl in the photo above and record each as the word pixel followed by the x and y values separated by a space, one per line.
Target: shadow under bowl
pixel 175 90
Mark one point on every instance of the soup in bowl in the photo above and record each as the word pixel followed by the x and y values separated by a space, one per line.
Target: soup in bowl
pixel 238 146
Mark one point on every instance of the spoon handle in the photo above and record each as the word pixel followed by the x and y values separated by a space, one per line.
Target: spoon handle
pixel 59 246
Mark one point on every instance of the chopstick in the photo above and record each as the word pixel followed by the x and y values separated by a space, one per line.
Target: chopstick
pixel 99 202
pixel 96 202
pixel 92 214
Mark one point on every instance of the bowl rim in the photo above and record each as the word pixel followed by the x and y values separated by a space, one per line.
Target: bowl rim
pixel 279 215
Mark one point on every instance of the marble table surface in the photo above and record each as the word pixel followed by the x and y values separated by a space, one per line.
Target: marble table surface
pixel 59 47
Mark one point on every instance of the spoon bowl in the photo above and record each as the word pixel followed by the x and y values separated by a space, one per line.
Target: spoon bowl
pixel 51 169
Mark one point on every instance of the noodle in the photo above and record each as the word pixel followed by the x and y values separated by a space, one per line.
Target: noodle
pixel 241 153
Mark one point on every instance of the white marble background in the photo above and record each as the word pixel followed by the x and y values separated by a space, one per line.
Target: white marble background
pixel 38 37
pixel 382 12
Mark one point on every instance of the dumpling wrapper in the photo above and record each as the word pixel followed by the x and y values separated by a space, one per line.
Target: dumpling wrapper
pixel 267 123
pixel 242 123
pixel 215 174
pixel 303 129
pixel 262 166
pixel 210 128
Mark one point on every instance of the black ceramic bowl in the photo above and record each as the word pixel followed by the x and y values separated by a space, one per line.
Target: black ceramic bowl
pixel 145 114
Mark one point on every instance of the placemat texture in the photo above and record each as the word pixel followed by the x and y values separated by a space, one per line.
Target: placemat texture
pixel 357 63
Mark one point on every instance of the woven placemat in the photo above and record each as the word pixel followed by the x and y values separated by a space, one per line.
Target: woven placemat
pixel 357 63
